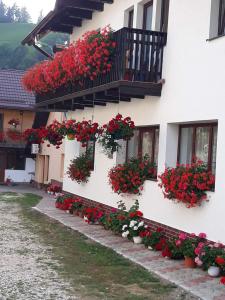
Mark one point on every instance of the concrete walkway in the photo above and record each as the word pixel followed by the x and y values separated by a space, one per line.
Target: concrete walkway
pixel 194 281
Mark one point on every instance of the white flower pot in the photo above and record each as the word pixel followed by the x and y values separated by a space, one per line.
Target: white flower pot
pixel 137 239
pixel 214 271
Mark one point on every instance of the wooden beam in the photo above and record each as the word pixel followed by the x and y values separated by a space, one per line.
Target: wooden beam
pixel 61 28
pixel 67 21
pixel 87 4
pixel 78 13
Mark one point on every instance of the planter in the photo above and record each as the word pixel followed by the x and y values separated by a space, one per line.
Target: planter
pixel 214 271
pixel 137 239
pixel 70 137
pixel 189 262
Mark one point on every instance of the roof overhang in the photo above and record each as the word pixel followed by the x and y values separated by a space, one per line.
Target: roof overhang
pixel 66 15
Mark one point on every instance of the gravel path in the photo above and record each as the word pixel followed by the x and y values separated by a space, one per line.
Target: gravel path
pixel 27 269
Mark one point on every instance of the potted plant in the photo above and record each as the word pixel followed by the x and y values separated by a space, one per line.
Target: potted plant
pixel 171 250
pixel 87 131
pixel 129 177
pixel 92 215
pixel 80 168
pixel 117 128
pixel 133 230
pixel 77 207
pixel 155 240
pixel 14 122
pixel 187 184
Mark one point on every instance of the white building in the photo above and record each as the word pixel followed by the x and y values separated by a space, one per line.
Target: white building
pixel 185 114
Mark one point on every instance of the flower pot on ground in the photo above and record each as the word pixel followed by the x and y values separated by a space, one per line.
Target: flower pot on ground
pixel 214 271
pixel 137 239
pixel 187 184
pixel 154 240
pixel 189 262
pixel 92 215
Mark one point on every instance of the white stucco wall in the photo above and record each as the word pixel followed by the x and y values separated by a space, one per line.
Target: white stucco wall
pixel 21 176
pixel 194 72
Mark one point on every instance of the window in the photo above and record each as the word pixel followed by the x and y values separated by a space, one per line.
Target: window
pixel 221 23
pixel 164 15
pixel 91 150
pixel 16 160
pixel 198 141
pixel 46 168
pixel 131 18
pixel 147 16
pixel 144 142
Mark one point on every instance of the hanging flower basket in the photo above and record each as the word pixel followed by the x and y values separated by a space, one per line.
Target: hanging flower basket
pixel 35 136
pixel 80 169
pixel 87 131
pixel 130 177
pixel 118 128
pixel 187 184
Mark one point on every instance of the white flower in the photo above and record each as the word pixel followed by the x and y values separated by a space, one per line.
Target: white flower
pixel 125 234
pixel 150 248
pixel 124 227
pixel 141 224
pixel 135 227
pixel 132 223
pixel 146 226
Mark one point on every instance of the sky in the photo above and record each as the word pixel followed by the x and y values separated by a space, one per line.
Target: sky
pixel 33 6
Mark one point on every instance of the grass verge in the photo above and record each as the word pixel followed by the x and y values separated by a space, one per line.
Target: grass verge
pixel 94 271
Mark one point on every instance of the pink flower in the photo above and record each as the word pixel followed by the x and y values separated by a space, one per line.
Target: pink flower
pixel 182 236
pixel 178 242
pixel 202 235
pixel 198 261
pixel 193 235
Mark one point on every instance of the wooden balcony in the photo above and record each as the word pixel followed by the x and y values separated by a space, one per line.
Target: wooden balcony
pixel 136 72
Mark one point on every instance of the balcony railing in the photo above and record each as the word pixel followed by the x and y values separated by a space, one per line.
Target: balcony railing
pixel 138 58
pixel 12 138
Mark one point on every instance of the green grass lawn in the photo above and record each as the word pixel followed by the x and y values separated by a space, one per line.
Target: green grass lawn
pixel 95 272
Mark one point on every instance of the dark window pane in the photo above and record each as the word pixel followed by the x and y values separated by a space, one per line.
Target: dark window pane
pixel 91 150
pixel 147 21
pixel 186 141
pixel 131 19
pixel 164 15
pixel 156 146
pixel 16 160
pixel 221 23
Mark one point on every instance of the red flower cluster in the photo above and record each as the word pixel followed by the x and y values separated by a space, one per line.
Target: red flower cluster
pixel 86 131
pixel 53 136
pixel 65 204
pixel 220 261
pixel 15 135
pixel 80 168
pixel 35 136
pixel 92 214
pixel 14 122
pixel 130 177
pixel 54 188
pixel 135 214
pixel 187 184
pixel 119 127
pixel 86 58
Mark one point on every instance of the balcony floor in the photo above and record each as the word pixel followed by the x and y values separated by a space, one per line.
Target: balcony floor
pixel 113 92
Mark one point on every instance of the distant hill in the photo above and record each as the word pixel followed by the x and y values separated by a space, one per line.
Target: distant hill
pixel 15 56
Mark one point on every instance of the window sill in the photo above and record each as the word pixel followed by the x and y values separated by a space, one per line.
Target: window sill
pixel 153 179
pixel 215 38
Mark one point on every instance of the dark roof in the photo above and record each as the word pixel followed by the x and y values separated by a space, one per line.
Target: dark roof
pixel 12 93
pixel 66 15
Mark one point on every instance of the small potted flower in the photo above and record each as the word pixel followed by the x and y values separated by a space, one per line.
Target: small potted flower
pixel 171 250
pixel 155 240
pixel 133 230
pixel 92 215
pixel 77 207
pixel 87 131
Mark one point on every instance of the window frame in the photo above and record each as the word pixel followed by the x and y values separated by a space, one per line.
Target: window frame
pixel 211 136
pixel 142 130
pixel 221 19
pixel 131 18
pixel 165 8
pixel 145 9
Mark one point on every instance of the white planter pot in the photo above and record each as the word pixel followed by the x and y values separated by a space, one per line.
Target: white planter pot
pixel 137 239
pixel 214 271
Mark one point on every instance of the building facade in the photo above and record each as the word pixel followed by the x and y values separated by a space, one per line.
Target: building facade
pixel 16 115
pixel 185 119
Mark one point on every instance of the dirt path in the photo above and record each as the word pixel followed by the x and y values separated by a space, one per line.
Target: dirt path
pixel 27 269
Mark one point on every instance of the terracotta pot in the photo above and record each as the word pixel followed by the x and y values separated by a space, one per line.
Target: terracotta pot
pixel 70 137
pixel 137 239
pixel 189 262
